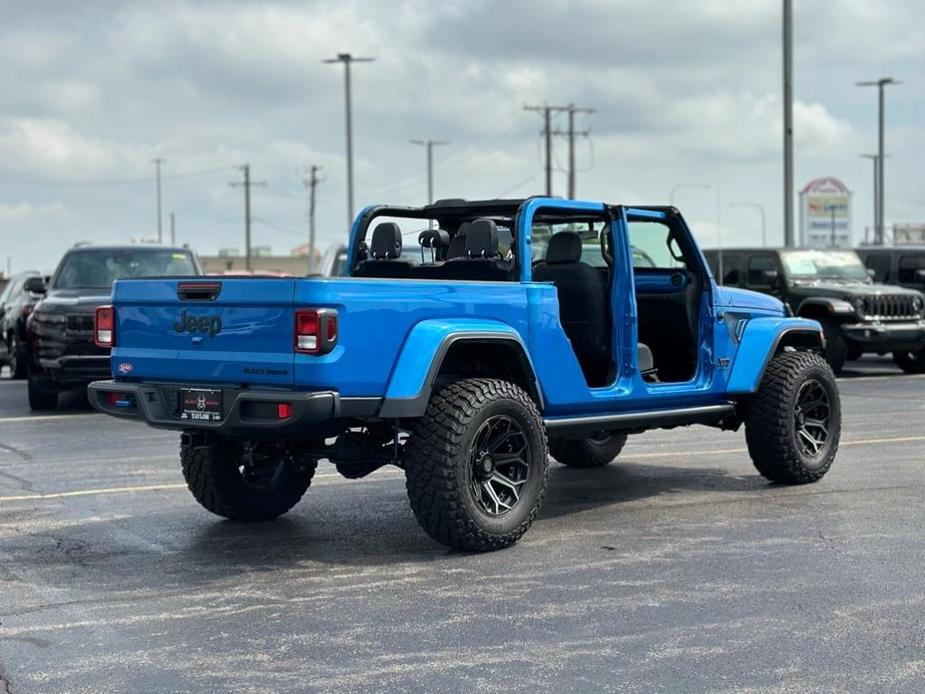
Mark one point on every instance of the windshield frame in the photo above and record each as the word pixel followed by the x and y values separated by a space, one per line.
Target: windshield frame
pixel 795 277
pixel 54 284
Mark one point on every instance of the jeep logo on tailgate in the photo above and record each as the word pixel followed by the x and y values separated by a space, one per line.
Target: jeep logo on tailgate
pixel 207 325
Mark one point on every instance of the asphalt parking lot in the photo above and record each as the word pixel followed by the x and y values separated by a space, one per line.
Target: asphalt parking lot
pixel 676 569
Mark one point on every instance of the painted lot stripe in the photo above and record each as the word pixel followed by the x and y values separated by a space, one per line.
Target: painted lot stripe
pixel 321 477
pixel 46 417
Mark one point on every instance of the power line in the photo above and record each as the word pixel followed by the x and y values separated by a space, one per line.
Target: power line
pixel 117 181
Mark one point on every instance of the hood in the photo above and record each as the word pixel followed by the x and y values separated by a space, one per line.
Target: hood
pixel 732 297
pixel 848 290
pixel 74 300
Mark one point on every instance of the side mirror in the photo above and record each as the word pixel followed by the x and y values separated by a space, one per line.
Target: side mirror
pixel 770 277
pixel 36 285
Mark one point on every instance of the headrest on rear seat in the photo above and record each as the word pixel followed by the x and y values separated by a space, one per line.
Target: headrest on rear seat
pixel 564 247
pixel 386 242
pixel 482 239
pixel 457 247
pixel 434 238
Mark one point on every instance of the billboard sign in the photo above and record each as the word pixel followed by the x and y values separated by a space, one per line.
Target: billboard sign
pixel 825 214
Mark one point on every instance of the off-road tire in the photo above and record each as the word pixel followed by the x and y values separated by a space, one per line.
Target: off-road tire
pixel 438 471
pixel 588 452
pixel 910 362
pixel 836 347
pixel 770 419
pixel 212 475
pixel 41 399
pixel 18 359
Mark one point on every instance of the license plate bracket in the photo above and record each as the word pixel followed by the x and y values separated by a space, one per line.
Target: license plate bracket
pixel 201 404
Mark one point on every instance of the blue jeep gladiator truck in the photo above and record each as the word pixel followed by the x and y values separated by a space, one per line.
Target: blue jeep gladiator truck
pixel 465 342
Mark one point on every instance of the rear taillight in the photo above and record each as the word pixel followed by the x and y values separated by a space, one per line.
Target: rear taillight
pixel 315 330
pixel 104 326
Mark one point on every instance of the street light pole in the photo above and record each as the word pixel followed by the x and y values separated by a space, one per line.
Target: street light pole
pixel 157 168
pixel 788 122
pixel 347 59
pixel 879 84
pixel 874 158
pixel 760 208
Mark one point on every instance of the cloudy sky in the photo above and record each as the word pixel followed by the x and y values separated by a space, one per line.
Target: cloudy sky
pixel 685 92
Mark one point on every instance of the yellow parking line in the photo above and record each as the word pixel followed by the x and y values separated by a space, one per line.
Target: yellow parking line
pixel 323 475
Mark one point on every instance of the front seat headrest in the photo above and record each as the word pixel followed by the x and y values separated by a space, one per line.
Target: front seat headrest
pixel 457 247
pixel 434 238
pixel 386 243
pixel 482 239
pixel 564 247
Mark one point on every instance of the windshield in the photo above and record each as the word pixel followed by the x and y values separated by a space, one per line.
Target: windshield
pixel 99 268
pixel 829 265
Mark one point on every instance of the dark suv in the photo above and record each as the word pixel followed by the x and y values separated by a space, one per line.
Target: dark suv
pixel 60 328
pixel 834 287
pixel 16 303
pixel 900 265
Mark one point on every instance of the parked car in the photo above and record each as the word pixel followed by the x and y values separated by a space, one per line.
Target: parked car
pixel 16 303
pixel 63 354
pixel 900 265
pixel 833 287
pixel 333 261
pixel 460 368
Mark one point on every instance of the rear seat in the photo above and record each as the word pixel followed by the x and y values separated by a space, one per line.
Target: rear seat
pixel 384 254
pixel 481 259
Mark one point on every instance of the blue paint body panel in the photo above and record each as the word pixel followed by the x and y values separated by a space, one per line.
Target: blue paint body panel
pixel 390 331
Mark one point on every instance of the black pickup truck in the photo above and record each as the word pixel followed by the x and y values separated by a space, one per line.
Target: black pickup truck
pixel 60 329
pixel 833 286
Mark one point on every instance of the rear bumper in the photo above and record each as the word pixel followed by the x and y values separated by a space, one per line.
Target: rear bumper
pixel 311 411
pixel 886 337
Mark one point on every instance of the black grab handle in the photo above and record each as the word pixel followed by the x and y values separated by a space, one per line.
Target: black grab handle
pixel 199 291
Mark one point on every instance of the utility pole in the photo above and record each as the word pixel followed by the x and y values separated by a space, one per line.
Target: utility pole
pixel 788 122
pixel 312 185
pixel 247 184
pixel 173 229
pixel 429 146
pixel 547 134
pixel 347 59
pixel 881 190
pixel 157 168
pixel 571 134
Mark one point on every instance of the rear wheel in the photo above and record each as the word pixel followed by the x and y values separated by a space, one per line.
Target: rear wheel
pixel 476 465
pixel 793 423
pixel 246 481
pixel 41 397
pixel 910 362
pixel 596 450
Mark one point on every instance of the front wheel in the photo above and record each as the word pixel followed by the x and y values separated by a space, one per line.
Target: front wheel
pixel 18 358
pixel 41 398
pixel 246 481
pixel 910 362
pixel 596 450
pixel 793 422
pixel 836 347
pixel 476 465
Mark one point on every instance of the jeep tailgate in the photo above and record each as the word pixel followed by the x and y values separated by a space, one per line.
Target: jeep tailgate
pixel 205 330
